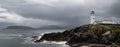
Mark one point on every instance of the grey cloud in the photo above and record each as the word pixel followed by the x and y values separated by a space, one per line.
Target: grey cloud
pixel 115 9
pixel 69 15
pixel 64 12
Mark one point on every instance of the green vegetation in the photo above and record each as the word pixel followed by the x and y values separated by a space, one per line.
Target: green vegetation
pixel 113 27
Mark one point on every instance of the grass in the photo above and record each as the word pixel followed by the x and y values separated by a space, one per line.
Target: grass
pixel 112 27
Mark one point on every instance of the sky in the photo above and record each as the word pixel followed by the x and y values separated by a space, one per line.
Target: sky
pixel 36 13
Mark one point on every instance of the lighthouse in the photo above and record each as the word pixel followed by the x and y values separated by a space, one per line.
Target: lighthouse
pixel 92 18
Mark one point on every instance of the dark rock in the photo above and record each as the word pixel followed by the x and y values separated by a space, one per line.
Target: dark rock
pixel 85 35
pixel 53 37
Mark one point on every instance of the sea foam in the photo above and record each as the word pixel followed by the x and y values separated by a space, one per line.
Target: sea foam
pixel 53 42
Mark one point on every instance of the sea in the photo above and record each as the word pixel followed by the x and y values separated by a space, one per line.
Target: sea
pixel 22 38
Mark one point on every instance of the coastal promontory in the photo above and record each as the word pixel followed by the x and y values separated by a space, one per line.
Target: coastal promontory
pixel 99 34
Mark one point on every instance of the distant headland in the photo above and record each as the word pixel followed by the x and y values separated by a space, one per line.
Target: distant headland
pixel 50 27
pixel 20 27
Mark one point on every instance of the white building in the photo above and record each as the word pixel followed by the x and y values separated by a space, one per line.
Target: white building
pixel 92 19
pixel 105 21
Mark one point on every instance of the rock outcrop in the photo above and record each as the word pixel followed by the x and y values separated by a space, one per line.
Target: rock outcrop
pixel 86 35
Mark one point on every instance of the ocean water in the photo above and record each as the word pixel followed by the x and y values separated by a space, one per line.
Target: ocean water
pixel 21 38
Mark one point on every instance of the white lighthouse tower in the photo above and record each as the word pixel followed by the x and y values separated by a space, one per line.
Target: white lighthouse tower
pixel 92 18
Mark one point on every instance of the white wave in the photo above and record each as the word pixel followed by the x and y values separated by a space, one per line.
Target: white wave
pixel 53 42
pixel 39 37
pixel 28 40
pixel 31 40
pixel 53 31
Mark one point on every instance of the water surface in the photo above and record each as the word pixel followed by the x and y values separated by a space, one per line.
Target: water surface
pixel 21 38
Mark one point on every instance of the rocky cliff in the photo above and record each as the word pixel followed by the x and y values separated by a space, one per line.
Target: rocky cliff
pixel 105 34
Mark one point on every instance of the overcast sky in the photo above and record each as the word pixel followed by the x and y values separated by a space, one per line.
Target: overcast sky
pixel 37 13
